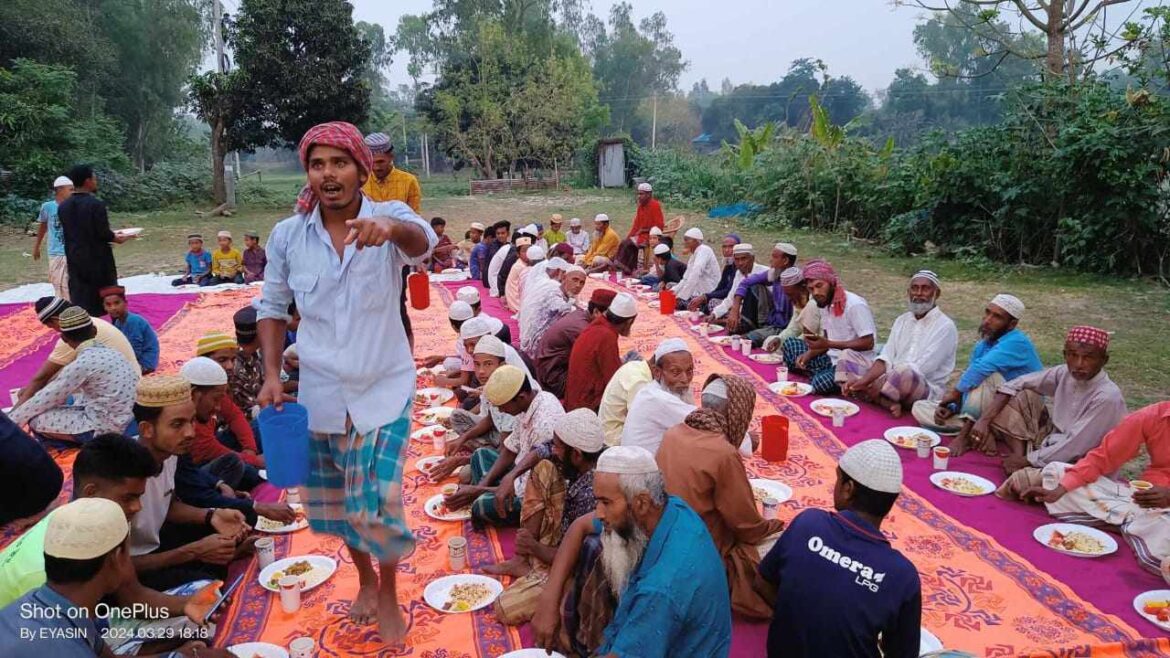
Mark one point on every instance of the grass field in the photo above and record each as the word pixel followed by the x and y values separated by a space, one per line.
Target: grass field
pixel 1138 311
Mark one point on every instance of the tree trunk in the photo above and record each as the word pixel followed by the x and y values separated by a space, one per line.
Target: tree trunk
pixel 218 188
pixel 1054 59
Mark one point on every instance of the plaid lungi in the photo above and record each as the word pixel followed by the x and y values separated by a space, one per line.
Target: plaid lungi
pixel 544 502
pixel 355 488
pixel 821 373
pixel 899 383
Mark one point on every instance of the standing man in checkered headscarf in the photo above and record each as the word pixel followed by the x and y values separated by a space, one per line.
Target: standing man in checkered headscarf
pixel 1085 406
pixel 340 258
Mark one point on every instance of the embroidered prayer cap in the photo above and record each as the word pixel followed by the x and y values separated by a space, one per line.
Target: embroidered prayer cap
pixel 523 242
pixel 224 234
pixel 158 391
pixel 601 217
pixel 112 290
pixel 74 318
pixel 477 226
pixel 654 230
pixel 489 344
pixel 556 219
pixel 49 307
pixel 193 237
pixel 694 233
pixel 623 306
pixel 928 276
pixel 791 276
pixel 602 297
pixel 670 346
pixel 581 429
pixel 62 181
pixel 474 328
pixel 202 371
pixel 1089 336
pixel 252 234
pixel 85 529
pixel 1010 304
pixel 467 294
pixel 661 249
pixel 785 248
pixel 378 143
pixel 504 384
pixel 213 341
pixel 555 263
pixel 460 311
pixel 743 248
pixel 535 253
pixel 340 135
pixel 627 460
pixel 645 187
pixel 874 464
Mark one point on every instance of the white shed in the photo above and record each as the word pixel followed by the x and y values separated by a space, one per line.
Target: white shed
pixel 611 163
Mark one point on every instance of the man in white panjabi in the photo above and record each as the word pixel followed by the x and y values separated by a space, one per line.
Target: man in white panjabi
pixel 703 269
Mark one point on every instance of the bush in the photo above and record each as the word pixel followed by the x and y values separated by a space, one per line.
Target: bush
pixel 165 184
pixel 18 211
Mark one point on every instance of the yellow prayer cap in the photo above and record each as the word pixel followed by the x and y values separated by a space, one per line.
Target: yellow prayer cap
pixel 73 318
pixel 504 384
pixel 159 391
pixel 85 528
pixel 213 341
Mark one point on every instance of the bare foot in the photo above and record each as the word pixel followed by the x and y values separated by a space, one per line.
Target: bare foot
pixel 391 623
pixel 364 608
pixel 514 566
pixel 896 409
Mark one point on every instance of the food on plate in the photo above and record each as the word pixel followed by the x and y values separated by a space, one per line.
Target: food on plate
pixel 1159 610
pixel 465 596
pixel 1077 542
pixel 790 389
pixel 420 398
pixel 961 485
pixel 911 440
pixel 269 525
pixel 298 568
pixel 760 493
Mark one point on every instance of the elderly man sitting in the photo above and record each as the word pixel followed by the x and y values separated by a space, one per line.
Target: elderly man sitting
pixel 701 466
pixel 703 270
pixel 1083 405
pixel 99 375
pixel 664 402
pixel 847 324
pixel 743 257
pixel 1085 493
pixel 657 558
pixel 559 491
pixel 1003 352
pixel 599 257
pixel 760 307
pixel 916 361
pixel 547 301
pixel 556 344
pixel 704 303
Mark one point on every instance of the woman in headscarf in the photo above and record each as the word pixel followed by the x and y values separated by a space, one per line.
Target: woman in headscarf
pixel 701 465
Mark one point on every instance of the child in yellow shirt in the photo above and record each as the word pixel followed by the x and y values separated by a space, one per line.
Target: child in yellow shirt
pixel 227 263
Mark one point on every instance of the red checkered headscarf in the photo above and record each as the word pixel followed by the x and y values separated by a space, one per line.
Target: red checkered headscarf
pixel 823 271
pixel 1089 336
pixel 338 134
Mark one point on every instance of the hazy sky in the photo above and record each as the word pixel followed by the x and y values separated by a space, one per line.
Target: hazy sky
pixel 749 40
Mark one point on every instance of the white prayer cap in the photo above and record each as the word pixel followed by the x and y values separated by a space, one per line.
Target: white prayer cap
pixel 494 324
pixel 785 248
pixel 929 276
pixel 202 371
pixel 576 221
pixel 1010 304
pixel 460 311
pixel 694 233
pixel 535 252
pixel 581 429
pixel 530 230
pixel 874 464
pixel 623 306
pixel 574 269
pixel 555 263
pixel 661 249
pixel 85 529
pixel 601 217
pixel 489 344
pixel 717 388
pixel 467 294
pixel 743 248
pixel 476 226
pixel 63 181
pixel 670 346
pixel 474 328
pixel 654 230
pixel 224 234
pixel 791 276
pixel 645 187
pixel 627 460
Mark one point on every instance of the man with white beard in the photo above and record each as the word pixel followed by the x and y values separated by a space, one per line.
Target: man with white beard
pixel 657 557
pixel 665 401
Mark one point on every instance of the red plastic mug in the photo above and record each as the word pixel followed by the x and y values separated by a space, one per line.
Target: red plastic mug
pixel 666 301
pixel 774 438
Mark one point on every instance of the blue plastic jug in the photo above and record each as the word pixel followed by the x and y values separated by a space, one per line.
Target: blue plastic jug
pixel 286 444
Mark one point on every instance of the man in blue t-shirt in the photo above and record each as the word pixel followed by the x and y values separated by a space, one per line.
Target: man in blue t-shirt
pixel 47 224
pixel 840 589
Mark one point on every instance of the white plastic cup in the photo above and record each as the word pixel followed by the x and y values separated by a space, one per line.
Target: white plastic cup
pixel 771 508
pixel 746 344
pixel 923 446
pixel 439 438
pixel 735 342
pixel 15 393
pixel 704 330
pixel 290 593
pixel 457 553
pixel 942 455
pixel 782 374
pixel 292 496
pixel 1049 480
pixel 838 418
pixel 696 316
pixel 302 647
pixel 265 551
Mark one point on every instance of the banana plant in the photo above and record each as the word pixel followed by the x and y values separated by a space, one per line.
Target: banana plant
pixel 751 143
